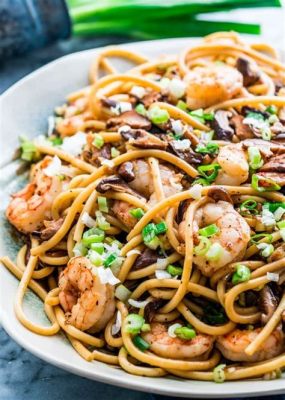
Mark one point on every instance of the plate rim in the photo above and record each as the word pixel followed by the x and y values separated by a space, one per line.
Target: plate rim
pixel 129 381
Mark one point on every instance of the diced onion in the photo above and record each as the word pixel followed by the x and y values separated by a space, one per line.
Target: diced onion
pixel 182 144
pixel 278 214
pixel 161 263
pixel 268 218
pixel 124 128
pixel 272 276
pixel 122 293
pixel 176 88
pixel 177 127
pixel 172 328
pixel 121 107
pixel 196 191
pixel 106 276
pixel 108 163
pixel 73 144
pixel 53 168
pixel 161 274
pixel 138 304
pixel 138 91
pixel 117 325
pixel 132 252
pixel 164 82
pixel 88 221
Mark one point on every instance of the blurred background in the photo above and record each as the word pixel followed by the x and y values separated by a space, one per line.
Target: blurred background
pixel 35 32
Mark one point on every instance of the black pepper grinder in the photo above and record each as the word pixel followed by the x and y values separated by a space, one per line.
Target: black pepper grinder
pixel 30 24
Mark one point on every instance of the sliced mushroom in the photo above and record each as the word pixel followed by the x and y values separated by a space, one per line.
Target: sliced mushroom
pixel 94 155
pixel 187 155
pixel 268 303
pixel 115 183
pixel 142 139
pixel 147 258
pixel 221 125
pixel 151 309
pixel 219 193
pixel 242 131
pixel 50 229
pixel 278 253
pixel 130 118
pixel 275 164
pixel 126 171
pixel 248 70
pixel 277 177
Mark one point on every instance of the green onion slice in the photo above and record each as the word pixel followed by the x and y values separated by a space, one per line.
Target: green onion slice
pixel 98 141
pixel 209 230
pixel 140 343
pixel 255 159
pixel 133 324
pixel 209 172
pixel 102 203
pixel 93 235
pixel 256 238
pixel 268 184
pixel 137 213
pixel 242 274
pixel 202 247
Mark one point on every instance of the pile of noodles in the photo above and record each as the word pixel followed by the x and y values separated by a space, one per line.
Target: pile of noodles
pixel 191 297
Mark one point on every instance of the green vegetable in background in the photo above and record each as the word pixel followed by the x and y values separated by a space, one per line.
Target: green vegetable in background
pixel 150 19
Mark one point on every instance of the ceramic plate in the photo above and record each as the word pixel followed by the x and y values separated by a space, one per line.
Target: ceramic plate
pixel 24 109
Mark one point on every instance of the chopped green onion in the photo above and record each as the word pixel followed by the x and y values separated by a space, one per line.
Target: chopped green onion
pixel 134 323
pixel 266 133
pixel 281 224
pixel 98 247
pixel 242 274
pixel 274 206
pixel 173 270
pixel 209 230
pixel 209 172
pixel 98 141
pixel 79 250
pixel 203 246
pixel 256 238
pixel 255 159
pixel 270 185
pixel 137 213
pixel 158 115
pixel 114 152
pixel 160 228
pixel 140 343
pixel 271 109
pixel 28 149
pixel 140 109
pixel 201 116
pixel 101 221
pixel 110 260
pixel 56 141
pixel 153 243
pixel 272 119
pixel 182 105
pixel 93 235
pixel 255 115
pixel 249 207
pixel 146 328
pixel 208 148
pixel 102 203
pixel 149 232
pixel 267 249
pixel 185 333
pixel 122 293
pixel 215 252
pixel 219 373
pixel 201 181
pixel 95 258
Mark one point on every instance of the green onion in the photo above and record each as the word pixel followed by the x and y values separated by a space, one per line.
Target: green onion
pixel 182 105
pixel 249 207
pixel 114 152
pixel 29 150
pixel 158 116
pixel 146 328
pixel 201 116
pixel 209 172
pixel 255 115
pixel 110 260
pixel 270 185
pixel 122 293
pixel 140 109
pixel 242 274
pixel 271 109
pixel 208 148
pixel 101 221
pixel 215 252
pixel 255 159
pixel 56 141
pixel 281 224
pixel 185 333
pixel 256 238
pixel 160 228
pixel 173 270
pixel 102 203
pixel 273 206
pixel 219 373
pixel 133 324
pixel 93 235
pixel 98 247
pixel 149 232
pixel 95 258
pixel 209 230
pixel 79 250
pixel 137 213
pixel 202 247
pixel 266 133
pixel 98 141
pixel 272 119
pixel 267 249
pixel 140 343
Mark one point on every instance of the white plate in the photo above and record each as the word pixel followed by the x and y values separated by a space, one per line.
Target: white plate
pixel 24 109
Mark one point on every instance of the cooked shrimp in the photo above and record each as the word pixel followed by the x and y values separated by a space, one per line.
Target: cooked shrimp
pixel 234 166
pixel 89 303
pixel 165 346
pixel 207 86
pixel 74 117
pixel 233 345
pixel 143 182
pixel 233 234
pixel 122 211
pixel 32 205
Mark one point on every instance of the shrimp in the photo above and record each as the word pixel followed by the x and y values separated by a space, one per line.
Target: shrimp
pixel 233 345
pixel 233 235
pixel 89 304
pixel 207 86
pixel 165 346
pixel 74 118
pixel 32 205
pixel 234 166
pixel 122 210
